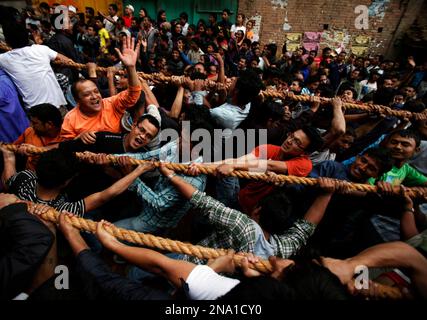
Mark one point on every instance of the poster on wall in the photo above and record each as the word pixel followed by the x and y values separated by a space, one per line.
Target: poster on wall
pixel 293 41
pixel 311 40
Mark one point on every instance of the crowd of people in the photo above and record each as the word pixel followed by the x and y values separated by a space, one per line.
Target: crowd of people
pixel 314 237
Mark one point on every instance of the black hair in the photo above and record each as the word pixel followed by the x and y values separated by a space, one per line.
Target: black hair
pixel 114 6
pixel 383 158
pixel 74 91
pixel 248 85
pixel 90 10
pixel 414 106
pixel 316 141
pixel 44 5
pixel 407 133
pixel 184 15
pixel 55 167
pixel 303 281
pixel 260 288
pixel 15 35
pixel 46 112
pixel 275 213
pixel 273 48
pixel 384 96
pixel 150 119
pixel 345 87
pixel 226 10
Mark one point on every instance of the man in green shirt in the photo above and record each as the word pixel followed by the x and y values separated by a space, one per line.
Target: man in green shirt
pixel 403 144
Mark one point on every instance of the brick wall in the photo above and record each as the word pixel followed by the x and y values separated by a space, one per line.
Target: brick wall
pixel 393 16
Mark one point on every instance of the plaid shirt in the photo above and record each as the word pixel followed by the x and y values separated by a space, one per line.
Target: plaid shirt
pixel 235 230
pixel 163 205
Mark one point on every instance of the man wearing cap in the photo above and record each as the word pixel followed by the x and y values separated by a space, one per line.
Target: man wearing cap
pixel 127 17
pixel 72 13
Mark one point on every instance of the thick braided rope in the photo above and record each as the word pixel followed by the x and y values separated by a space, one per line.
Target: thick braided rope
pixel 151 241
pixel 147 240
pixel 413 192
pixel 159 78
pixel 369 108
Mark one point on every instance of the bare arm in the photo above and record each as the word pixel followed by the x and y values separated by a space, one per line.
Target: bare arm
pixel 152 261
pixel 317 210
pixel 150 98
pixel 338 122
pixel 97 199
pixel 110 78
pixel 9 165
pixel 177 104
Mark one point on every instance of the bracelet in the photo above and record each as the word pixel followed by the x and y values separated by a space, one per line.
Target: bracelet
pixel 170 176
pixel 410 210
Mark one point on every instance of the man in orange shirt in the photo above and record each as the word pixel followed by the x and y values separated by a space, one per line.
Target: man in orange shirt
pixel 46 121
pixel 93 113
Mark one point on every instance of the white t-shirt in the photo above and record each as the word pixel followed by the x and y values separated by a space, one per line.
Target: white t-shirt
pixel 234 29
pixel 109 25
pixel 30 70
pixel 230 116
pixel 206 284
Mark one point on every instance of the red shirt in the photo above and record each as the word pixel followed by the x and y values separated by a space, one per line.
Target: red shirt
pixel 127 21
pixel 250 195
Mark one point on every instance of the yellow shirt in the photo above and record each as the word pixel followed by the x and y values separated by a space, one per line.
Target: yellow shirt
pixel 103 36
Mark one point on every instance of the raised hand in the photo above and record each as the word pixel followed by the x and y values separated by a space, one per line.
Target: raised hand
pixel 130 52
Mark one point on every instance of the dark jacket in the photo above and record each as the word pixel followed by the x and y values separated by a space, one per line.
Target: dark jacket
pixel 24 243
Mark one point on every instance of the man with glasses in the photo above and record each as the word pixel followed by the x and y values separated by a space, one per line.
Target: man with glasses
pixel 291 158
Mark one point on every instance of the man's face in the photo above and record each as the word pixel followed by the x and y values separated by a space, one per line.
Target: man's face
pixel 200 68
pixel 347 96
pixel 242 64
pixel 401 148
pixel 295 86
pixel 343 143
pixel 225 16
pixel 341 57
pixel 89 97
pixel 355 74
pixel 388 83
pixel 409 92
pixel 142 134
pixel 111 11
pixel 38 126
pixel 364 167
pixel 295 143
pixel 175 55
pixel 314 85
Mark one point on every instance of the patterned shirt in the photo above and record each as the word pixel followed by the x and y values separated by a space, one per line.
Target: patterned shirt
pixel 24 186
pixel 163 205
pixel 235 230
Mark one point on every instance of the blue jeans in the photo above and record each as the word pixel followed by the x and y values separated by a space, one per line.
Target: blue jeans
pixel 227 191
pixel 140 225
